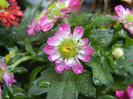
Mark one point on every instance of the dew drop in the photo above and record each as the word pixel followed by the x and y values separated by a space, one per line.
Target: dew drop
pixel 45 83
pixel 96 82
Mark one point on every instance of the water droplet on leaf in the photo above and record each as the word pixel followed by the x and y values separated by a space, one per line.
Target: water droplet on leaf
pixel 45 83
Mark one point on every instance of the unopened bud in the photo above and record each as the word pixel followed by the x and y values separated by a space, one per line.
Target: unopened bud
pixel 117 52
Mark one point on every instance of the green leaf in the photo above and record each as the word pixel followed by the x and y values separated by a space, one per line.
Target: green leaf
pixel 34 74
pixel 107 97
pixel 3 3
pixel 98 20
pixel 127 63
pixel 128 41
pixel 100 71
pixel 100 38
pixel 82 19
pixel 62 86
pixel 29 48
pixel 20 70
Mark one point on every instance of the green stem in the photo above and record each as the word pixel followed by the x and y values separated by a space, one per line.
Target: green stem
pixel 65 20
pixel 24 59
pixel 24 54
pixel 10 93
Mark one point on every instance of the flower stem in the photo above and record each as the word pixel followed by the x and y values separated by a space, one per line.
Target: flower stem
pixel 65 20
pixel 25 58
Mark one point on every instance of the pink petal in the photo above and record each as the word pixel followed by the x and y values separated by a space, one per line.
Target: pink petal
pixel 60 67
pixel 8 78
pixel 53 41
pixel 61 35
pixel 131 23
pixel 120 10
pixel 78 32
pixel 49 49
pixel 4 67
pixel 86 50
pixel 130 91
pixel 69 62
pixel 64 27
pixel 64 16
pixel 46 23
pixel 84 57
pixel 128 10
pixel 74 7
pixel 83 42
pixel 63 11
pixel 47 27
pixel 31 31
pixel 131 31
pixel 118 19
pixel 125 26
pixel 72 2
pixel 54 56
pixel 59 60
pixel 121 95
pixel 77 67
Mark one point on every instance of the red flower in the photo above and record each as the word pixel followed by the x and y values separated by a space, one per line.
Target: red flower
pixel 10 14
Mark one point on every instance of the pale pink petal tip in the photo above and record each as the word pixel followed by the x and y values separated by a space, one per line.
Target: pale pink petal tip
pixel 60 67
pixel 78 32
pixel 64 27
pixel 77 68
pixel 120 10
pixel 49 49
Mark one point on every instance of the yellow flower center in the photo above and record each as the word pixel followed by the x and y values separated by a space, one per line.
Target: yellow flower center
pixel 54 8
pixel 68 48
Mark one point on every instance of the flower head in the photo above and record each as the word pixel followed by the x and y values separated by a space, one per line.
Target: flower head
pixel 9 77
pixel 41 22
pixel 120 94
pixel 11 13
pixel 54 11
pixel 125 16
pixel 66 49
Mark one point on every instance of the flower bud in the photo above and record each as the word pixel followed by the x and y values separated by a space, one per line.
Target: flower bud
pixel 117 52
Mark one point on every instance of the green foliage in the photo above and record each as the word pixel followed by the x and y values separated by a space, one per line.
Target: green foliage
pixel 63 86
pixel 103 74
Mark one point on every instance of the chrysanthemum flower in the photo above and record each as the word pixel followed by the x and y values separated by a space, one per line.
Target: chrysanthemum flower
pixel 125 16
pixel 54 11
pixel 11 13
pixel 120 94
pixel 9 77
pixel 66 49
pixel 62 8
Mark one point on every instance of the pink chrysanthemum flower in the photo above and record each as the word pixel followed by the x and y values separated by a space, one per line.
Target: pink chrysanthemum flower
pixel 54 11
pixel 120 94
pixel 66 49
pixel 9 77
pixel 125 16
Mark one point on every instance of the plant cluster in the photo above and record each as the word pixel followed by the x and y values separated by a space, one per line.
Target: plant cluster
pixel 55 54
